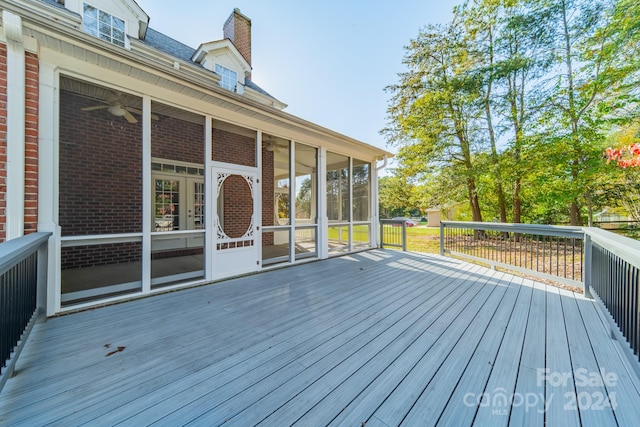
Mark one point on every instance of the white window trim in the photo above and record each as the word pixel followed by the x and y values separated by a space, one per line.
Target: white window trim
pixel 125 39
pixel 222 77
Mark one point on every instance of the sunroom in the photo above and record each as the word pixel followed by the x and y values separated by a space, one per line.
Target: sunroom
pixel 154 196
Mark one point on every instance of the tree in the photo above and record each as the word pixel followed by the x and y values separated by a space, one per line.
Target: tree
pixel 433 115
pixel 585 90
pixel 624 182
pixel 398 196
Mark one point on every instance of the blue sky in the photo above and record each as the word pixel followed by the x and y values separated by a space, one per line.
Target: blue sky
pixel 329 60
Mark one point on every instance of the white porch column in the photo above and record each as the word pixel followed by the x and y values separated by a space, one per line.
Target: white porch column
pixel 146 195
pixel 323 220
pixel 209 202
pixel 258 214
pixel 16 86
pixel 48 179
pixel 292 201
pixel 350 203
pixel 375 214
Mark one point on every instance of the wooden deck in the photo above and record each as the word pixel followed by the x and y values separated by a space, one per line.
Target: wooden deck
pixel 381 338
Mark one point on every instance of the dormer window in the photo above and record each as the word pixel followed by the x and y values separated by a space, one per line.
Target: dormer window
pixel 103 25
pixel 229 78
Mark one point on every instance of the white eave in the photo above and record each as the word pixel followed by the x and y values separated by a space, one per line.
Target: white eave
pixel 263 99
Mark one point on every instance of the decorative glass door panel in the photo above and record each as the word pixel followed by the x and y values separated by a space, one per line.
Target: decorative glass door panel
pixel 178 207
pixel 167 204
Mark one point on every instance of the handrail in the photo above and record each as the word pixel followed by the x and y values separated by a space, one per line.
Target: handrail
pixel 625 248
pixel 609 265
pixel 13 251
pixel 23 281
pixel 544 251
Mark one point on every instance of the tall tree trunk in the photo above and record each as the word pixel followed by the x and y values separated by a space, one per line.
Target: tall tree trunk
pixel 474 203
pixel 574 209
pixel 589 207
pixel 502 203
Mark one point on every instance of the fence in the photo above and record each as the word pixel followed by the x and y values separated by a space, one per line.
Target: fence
pixel 606 265
pixel 393 233
pixel 23 267
pixel 545 251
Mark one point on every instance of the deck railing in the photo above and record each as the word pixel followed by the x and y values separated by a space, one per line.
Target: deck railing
pixel 393 233
pixel 23 273
pixel 605 265
pixel 545 251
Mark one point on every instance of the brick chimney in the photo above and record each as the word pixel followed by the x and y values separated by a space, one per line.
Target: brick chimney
pixel 238 30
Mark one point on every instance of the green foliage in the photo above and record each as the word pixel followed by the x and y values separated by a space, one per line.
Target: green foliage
pixel 512 104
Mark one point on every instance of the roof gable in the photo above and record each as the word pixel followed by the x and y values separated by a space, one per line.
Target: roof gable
pixel 222 52
pixel 136 19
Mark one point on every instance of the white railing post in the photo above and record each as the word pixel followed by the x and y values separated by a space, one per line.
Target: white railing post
pixel 404 236
pixel 441 238
pixel 587 265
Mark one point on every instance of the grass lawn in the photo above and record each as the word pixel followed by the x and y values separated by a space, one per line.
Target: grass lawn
pixel 423 239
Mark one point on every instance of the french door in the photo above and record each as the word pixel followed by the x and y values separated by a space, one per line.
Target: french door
pixel 178 206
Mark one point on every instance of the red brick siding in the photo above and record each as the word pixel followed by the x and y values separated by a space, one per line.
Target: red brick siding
pixel 268 194
pixel 3 141
pixel 100 170
pixel 238 206
pixel 31 143
pixel 97 255
pixel 230 147
pixel 176 139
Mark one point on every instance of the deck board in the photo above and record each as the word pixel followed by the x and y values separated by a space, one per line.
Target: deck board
pixel 558 364
pixel 382 337
pixel 532 359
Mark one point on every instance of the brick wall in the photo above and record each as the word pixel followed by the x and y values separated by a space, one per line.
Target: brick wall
pixel 98 255
pixel 233 148
pixel 238 206
pixel 100 170
pixel 176 139
pixel 31 143
pixel 268 194
pixel 101 176
pixel 3 141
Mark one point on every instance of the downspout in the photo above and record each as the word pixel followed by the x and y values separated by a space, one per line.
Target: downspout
pixel 384 164
pixel 16 87
pixel 375 229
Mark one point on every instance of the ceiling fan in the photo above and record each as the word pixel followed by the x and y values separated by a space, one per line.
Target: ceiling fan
pixel 119 109
pixel 271 144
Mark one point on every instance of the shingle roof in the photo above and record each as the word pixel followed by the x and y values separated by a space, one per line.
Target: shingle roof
pixel 170 46
pixel 181 51
pixel 53 3
pixel 255 87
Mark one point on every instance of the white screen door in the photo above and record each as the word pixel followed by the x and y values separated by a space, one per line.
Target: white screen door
pixel 235 221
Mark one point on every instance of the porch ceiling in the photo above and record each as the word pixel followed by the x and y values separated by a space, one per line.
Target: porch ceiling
pixel 387 338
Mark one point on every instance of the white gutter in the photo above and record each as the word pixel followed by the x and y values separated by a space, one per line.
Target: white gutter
pixel 16 87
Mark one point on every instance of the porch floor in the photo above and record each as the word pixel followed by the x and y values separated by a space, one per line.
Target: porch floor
pixel 381 338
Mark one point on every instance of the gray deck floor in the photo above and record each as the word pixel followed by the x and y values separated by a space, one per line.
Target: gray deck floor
pixel 383 338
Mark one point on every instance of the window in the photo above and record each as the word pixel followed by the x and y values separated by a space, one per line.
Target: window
pixel 229 78
pixel 103 25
